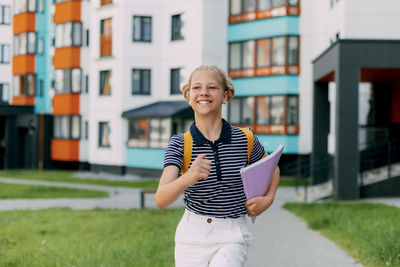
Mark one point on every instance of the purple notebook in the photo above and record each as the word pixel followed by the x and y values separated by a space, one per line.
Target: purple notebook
pixel 256 177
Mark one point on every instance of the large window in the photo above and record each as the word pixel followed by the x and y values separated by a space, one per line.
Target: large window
pixel 25 43
pixel 22 6
pixel 247 10
pixel 4 91
pixel 153 132
pixel 4 53
pixel 106 37
pixel 67 127
pixel 104 134
pixel 68 80
pixel 5 15
pixel 141 29
pixel 264 55
pixel 69 34
pixel 176 28
pixel 105 82
pixel 175 81
pixel 141 82
pixel 24 85
pixel 275 114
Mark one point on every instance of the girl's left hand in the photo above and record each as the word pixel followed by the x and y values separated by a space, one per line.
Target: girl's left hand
pixel 258 205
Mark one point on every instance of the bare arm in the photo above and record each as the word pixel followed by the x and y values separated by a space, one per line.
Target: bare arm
pixel 170 186
pixel 258 205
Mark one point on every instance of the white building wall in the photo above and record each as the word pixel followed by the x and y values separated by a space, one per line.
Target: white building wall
pixel 320 25
pixel 6 37
pixel 204 42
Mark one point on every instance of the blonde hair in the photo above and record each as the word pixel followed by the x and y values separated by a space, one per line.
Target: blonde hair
pixel 225 81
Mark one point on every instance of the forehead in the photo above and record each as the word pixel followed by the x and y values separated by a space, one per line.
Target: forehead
pixel 209 75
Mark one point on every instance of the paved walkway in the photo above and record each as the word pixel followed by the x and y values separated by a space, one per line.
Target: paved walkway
pixel 280 238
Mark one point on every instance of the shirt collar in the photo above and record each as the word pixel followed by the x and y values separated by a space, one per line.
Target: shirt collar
pixel 199 139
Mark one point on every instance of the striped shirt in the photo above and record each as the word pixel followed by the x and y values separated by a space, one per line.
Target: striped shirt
pixel 221 195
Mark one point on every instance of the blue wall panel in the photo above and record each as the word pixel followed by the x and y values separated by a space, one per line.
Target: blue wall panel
pixel 43 64
pixel 267 85
pixel 271 142
pixel 288 25
pixel 152 158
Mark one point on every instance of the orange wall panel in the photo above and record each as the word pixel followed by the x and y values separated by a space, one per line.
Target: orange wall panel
pixel 67 11
pixel 66 104
pixel 23 64
pixel 65 150
pixel 67 57
pixel 24 22
pixel 23 100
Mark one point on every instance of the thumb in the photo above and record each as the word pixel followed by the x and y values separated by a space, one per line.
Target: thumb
pixel 201 156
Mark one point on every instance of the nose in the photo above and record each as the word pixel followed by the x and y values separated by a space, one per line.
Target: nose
pixel 204 90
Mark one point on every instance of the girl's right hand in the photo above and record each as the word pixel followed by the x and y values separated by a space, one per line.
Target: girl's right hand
pixel 200 169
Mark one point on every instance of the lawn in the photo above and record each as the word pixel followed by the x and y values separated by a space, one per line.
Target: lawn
pixel 368 232
pixel 63 237
pixel 11 191
pixel 66 177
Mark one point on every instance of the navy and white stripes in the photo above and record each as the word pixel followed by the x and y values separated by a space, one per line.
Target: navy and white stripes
pixel 221 195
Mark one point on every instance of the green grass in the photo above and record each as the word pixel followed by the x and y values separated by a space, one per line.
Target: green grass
pixel 11 191
pixel 290 181
pixel 368 232
pixel 66 176
pixel 62 237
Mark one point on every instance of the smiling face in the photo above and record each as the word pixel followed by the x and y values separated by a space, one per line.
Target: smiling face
pixel 206 93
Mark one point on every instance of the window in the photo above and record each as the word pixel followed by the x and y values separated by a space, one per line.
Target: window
pixel 249 5
pixel 278 3
pixel 176 28
pixel 293 50
pixel 87 83
pixel 263 53
pixel 278 51
pixel 5 16
pixel 87 37
pixel 25 43
pixel 68 80
pixel 293 2
pixel 141 80
pixel 4 91
pixel 274 114
pixel 241 110
pixel 22 6
pixel 104 134
pixel 41 87
pixel 292 116
pixel 277 109
pixel 41 5
pixel 235 7
pixel 175 81
pixel 41 46
pixel 264 4
pixel 105 82
pixel 4 53
pixel 67 127
pixel 86 130
pixel 141 29
pixel 69 34
pixel 105 37
pixel 152 132
pixel 24 85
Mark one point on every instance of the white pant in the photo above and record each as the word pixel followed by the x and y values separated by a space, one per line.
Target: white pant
pixel 208 241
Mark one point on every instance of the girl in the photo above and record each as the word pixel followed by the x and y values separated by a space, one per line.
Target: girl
pixel 212 231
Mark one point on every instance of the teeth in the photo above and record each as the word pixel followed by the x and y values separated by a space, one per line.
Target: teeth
pixel 204 102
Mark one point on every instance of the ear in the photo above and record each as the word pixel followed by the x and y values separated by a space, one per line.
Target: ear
pixel 225 97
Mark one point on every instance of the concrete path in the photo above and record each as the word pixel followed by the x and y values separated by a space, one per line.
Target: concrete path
pixel 281 239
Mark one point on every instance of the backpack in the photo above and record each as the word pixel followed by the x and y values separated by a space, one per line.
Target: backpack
pixel 188 145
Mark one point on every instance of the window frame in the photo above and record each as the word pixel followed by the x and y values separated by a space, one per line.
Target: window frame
pixel 23 41
pixel 101 134
pixel 3 51
pixel 142 82
pixel 176 27
pixel 175 89
pixel 142 38
pixel 26 91
pixel 69 135
pixel 101 85
pixel 67 81
pixel 5 18
pixel 4 92
pixel 72 42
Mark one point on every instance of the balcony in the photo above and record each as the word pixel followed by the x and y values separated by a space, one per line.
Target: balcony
pixel 65 150
pixel 66 104
pixel 24 22
pixel 67 58
pixel 67 11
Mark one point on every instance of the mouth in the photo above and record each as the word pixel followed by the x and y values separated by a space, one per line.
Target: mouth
pixel 204 102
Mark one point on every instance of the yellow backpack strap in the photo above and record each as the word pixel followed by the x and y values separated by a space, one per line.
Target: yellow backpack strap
pixel 187 151
pixel 250 142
